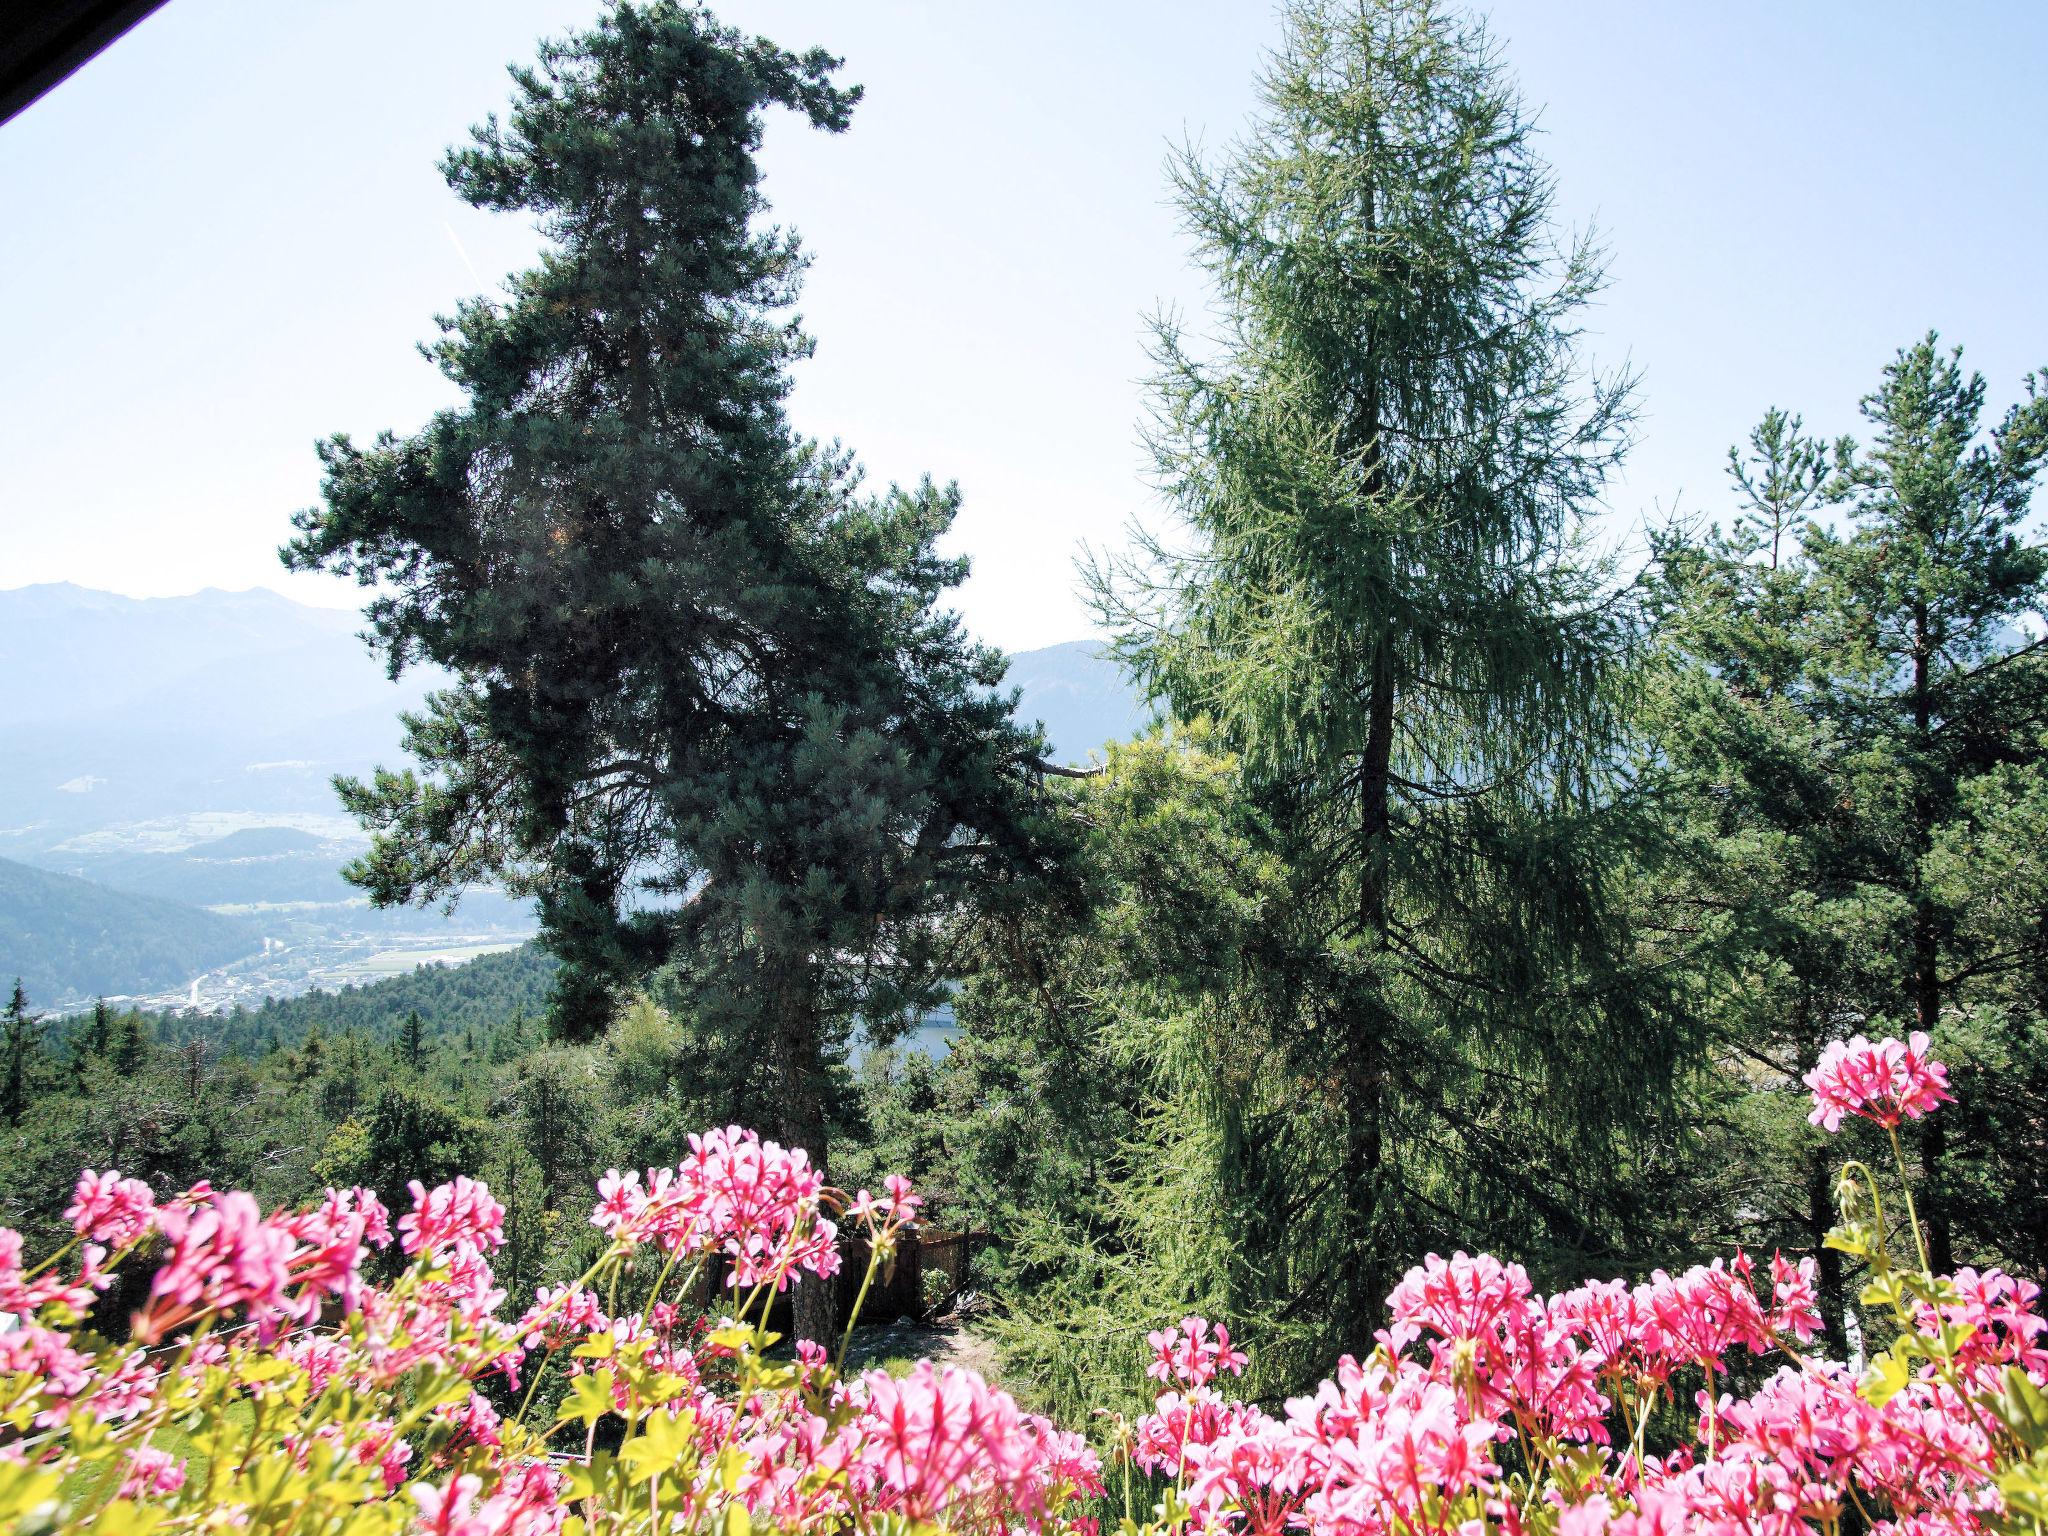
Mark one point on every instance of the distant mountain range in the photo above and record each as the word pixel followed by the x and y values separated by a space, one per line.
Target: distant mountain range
pixel 182 750
pixel 126 718
pixel 1079 695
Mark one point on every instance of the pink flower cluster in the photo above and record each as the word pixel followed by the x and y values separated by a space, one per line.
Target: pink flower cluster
pixel 526 1504
pixel 107 1208
pixel 1188 1354
pixel 897 1208
pixel 1446 1423
pixel 23 1294
pixel 224 1256
pixel 1487 1409
pixel 756 1202
pixel 941 1440
pixel 453 1214
pixel 1887 1082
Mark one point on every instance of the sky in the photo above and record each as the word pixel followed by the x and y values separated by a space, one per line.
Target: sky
pixel 222 239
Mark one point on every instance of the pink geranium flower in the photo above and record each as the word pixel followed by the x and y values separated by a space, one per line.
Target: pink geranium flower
pixel 1886 1082
pixel 941 1437
pixel 107 1208
pixel 462 1211
pixel 1187 1353
pixel 152 1471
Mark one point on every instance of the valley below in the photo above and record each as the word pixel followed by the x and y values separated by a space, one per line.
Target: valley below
pixel 169 832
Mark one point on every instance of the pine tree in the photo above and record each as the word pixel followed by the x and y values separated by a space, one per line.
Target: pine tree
pixel 407 1134
pixel 1851 737
pixel 131 1044
pixel 21 1040
pixel 1756 895
pixel 341 1092
pixel 89 1044
pixel 557 1098
pixel 1382 462
pixel 411 1045
pixel 1940 681
pixel 695 659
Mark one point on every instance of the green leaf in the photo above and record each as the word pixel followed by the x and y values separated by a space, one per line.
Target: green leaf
pixel 590 1397
pixel 1885 1379
pixel 23 1489
pixel 2023 1409
pixel 660 1445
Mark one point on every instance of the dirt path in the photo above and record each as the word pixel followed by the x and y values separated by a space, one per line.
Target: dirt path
pixel 897 1346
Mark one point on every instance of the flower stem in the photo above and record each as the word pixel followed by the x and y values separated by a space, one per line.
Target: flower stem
pixel 853 1317
pixel 1912 1215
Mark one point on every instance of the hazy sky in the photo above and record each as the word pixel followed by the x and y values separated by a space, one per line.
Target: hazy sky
pixel 221 240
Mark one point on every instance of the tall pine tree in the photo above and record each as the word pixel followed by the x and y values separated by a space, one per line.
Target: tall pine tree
pixel 21 1045
pixel 1850 726
pixel 709 711
pixel 1938 681
pixel 1760 899
pixel 1382 459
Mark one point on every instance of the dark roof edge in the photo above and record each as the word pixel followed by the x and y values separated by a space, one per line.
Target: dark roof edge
pixel 43 41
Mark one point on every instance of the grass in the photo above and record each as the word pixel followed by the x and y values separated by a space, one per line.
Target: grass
pixel 91 1486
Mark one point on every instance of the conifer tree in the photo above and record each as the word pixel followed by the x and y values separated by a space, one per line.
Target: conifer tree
pixel 341 1092
pixel 709 710
pixel 1940 682
pixel 1851 738
pixel 131 1044
pixel 89 1044
pixel 1382 459
pixel 411 1045
pixel 1757 893
pixel 21 1039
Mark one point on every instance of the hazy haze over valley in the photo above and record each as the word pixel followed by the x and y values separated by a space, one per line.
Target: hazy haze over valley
pixel 178 754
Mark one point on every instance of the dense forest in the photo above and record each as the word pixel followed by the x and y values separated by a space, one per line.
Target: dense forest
pixel 1477 891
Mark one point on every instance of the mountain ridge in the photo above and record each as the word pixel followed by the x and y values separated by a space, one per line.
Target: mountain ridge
pixel 65 937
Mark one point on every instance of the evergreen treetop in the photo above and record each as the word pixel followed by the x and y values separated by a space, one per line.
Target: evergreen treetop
pixel 710 710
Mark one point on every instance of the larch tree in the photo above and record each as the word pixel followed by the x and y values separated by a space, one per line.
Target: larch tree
pixel 709 710
pixel 1381 457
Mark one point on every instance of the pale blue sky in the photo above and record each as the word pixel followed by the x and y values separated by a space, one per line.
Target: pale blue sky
pixel 220 240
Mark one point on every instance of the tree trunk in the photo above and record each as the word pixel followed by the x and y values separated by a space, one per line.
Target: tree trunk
pixel 1820 1220
pixel 803 1125
pixel 1927 949
pixel 1366 1280
pixel 1365 1283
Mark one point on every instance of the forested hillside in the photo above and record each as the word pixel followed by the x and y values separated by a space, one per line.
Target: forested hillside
pixel 64 936
pixel 474 998
pixel 441 1070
